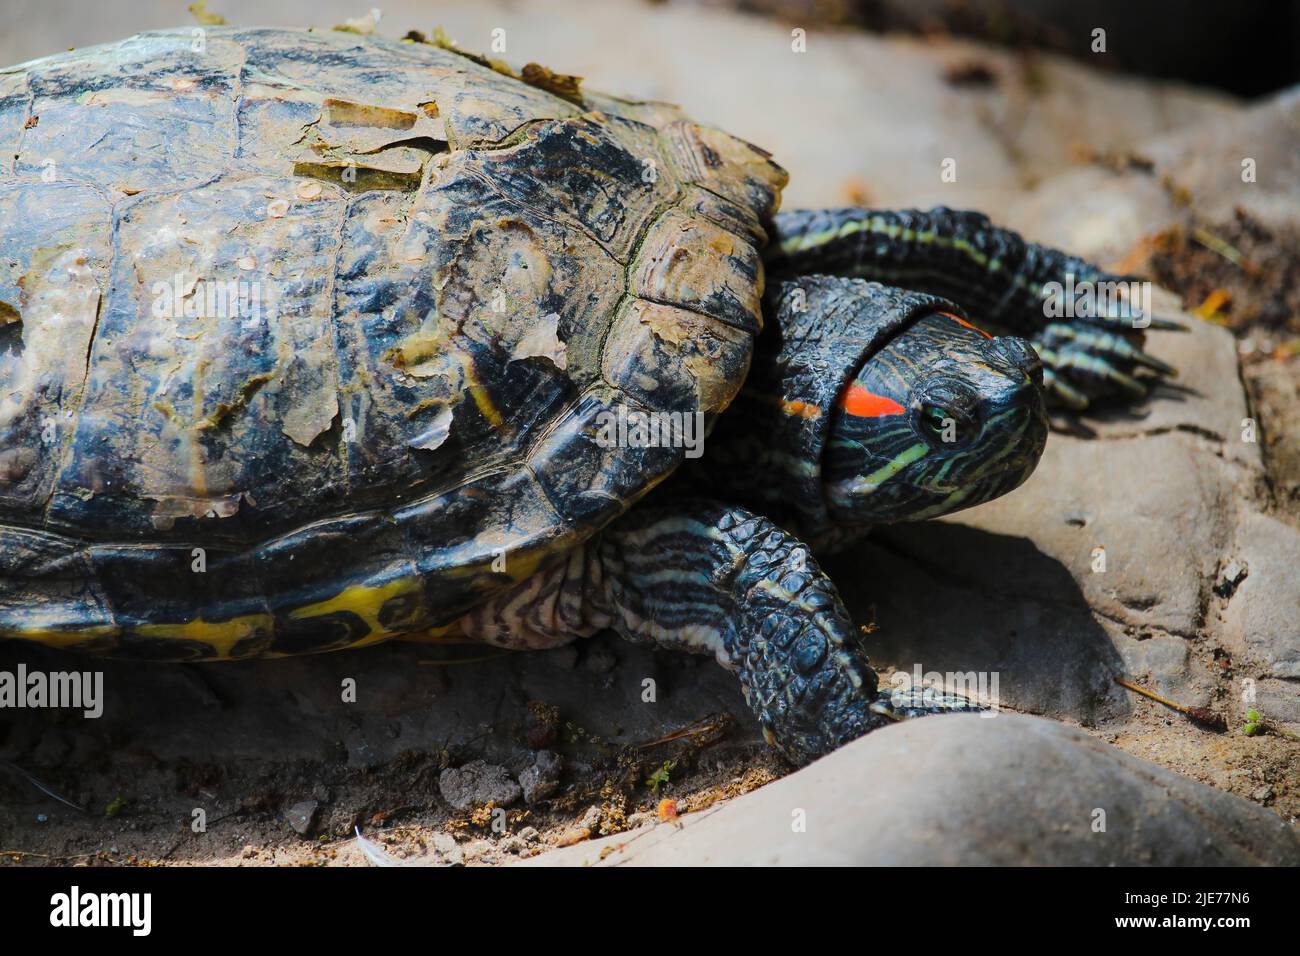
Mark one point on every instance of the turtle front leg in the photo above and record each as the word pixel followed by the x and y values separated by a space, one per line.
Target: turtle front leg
pixel 699 576
pixel 1085 323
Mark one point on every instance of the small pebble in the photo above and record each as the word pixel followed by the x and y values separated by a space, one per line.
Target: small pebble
pixel 447 850
pixel 302 816
pixel 541 779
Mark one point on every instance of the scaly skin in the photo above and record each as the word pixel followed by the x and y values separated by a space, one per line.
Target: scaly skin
pixel 993 272
pixel 753 594
pixel 689 573
pixel 692 574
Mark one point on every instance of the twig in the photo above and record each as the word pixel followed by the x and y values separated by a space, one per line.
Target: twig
pixel 41 786
pixel 714 723
pixel 1200 715
pixel 1220 247
pixel 18 854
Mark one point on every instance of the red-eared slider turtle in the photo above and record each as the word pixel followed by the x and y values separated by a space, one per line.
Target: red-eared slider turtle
pixel 312 340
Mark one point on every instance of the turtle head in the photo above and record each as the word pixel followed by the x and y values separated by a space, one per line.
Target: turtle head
pixel 942 417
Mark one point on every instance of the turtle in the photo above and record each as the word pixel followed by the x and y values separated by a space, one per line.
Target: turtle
pixel 312 340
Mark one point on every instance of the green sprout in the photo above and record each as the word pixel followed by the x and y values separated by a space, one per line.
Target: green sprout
pixel 661 777
pixel 1255 725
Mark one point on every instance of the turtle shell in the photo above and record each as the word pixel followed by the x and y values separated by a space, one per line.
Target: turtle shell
pixel 307 340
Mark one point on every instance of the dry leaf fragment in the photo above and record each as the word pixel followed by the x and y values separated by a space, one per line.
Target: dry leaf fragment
pixel 543 342
pixel 199 11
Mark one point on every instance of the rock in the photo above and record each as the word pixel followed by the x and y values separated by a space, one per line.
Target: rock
pixel 522 841
pixel 477 783
pixel 446 851
pixel 541 779
pixel 1168 661
pixel 965 790
pixel 1229 578
pixel 572 836
pixel 480 849
pixel 1262 620
pixel 363 754
pixel 302 816
pixel 587 825
pixel 1103 214
pixel 1278 702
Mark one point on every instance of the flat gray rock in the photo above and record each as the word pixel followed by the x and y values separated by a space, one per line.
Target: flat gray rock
pixel 964 790
pixel 477 783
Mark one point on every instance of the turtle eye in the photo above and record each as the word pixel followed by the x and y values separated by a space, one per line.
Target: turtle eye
pixel 947 412
pixel 946 425
pixel 935 419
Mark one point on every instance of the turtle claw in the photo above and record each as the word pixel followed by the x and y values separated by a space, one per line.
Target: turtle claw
pixel 1166 325
pixel 1094 352
pixel 1102 344
pixel 1057 389
pixel 1084 363
pixel 898 704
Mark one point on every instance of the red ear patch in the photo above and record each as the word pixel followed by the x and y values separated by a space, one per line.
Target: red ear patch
pixel 858 401
pixel 960 321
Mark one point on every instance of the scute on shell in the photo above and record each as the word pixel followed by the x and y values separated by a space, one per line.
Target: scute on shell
pixel 289 293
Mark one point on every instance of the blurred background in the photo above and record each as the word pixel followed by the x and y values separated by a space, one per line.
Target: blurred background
pixel 1000 82
pixel 1248 47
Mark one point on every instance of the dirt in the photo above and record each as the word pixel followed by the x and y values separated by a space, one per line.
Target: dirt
pixel 1263 768
pixel 138 797
pixel 1246 277
pixel 284 767
pixel 135 808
